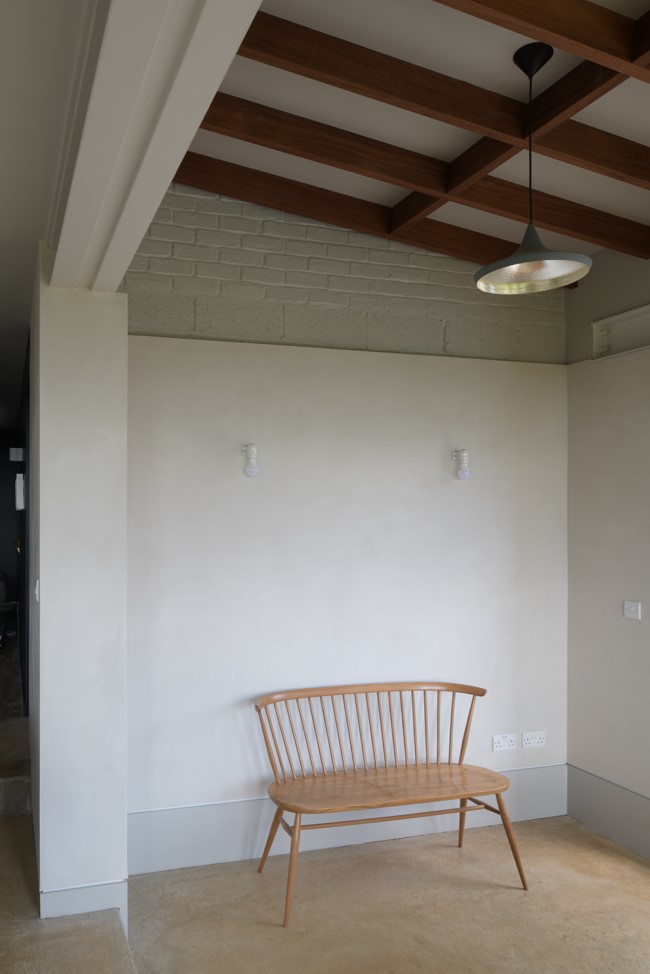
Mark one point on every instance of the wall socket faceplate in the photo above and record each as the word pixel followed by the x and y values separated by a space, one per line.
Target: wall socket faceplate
pixel 533 738
pixel 504 742
pixel 632 610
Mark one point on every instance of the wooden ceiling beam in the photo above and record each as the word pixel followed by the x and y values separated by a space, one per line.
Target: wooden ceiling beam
pixel 581 87
pixel 333 61
pixel 598 151
pixel 426 178
pixel 264 189
pixel 443 238
pixel 562 216
pixel 325 144
pixel 510 200
pixel 618 46
pixel 576 26
pixel 477 161
pixel 413 208
pixel 279 193
pixel 641 52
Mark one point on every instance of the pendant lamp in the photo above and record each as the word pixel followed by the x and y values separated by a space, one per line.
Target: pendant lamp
pixel 533 267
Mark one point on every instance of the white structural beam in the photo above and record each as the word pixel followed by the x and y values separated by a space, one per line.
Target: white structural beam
pixel 160 64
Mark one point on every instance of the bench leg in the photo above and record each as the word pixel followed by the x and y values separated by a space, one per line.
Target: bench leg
pixel 269 842
pixel 505 818
pixel 293 862
pixel 461 824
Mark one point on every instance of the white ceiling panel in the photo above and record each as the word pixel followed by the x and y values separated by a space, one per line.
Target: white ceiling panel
pixel 629 8
pixel 624 111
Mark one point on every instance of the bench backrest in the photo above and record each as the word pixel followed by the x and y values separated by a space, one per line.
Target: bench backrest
pixel 345 729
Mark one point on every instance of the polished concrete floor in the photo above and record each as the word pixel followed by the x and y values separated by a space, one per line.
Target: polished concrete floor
pixel 405 906
pixel 411 905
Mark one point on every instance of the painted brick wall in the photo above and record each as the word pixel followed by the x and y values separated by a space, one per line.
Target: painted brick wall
pixel 212 267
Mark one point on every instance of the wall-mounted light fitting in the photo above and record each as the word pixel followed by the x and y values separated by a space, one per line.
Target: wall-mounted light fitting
pixel 250 452
pixel 461 458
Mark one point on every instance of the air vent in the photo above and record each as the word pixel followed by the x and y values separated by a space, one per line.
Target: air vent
pixel 621 333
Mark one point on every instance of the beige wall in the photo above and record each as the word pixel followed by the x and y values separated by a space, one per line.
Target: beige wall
pixel 355 555
pixel 609 557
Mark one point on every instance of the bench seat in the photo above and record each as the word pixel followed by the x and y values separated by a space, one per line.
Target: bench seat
pixel 386 788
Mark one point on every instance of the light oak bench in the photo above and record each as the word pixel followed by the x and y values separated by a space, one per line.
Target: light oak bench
pixel 371 746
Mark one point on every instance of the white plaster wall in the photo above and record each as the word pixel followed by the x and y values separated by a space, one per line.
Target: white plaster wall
pixel 78 629
pixel 355 555
pixel 609 561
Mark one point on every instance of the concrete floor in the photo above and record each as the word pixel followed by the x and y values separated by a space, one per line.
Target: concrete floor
pixel 405 906
pixel 70 945
pixel 400 907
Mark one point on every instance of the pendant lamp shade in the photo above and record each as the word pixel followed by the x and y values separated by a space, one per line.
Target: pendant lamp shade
pixel 533 267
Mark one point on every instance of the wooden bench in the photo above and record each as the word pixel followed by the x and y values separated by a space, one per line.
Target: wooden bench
pixel 371 746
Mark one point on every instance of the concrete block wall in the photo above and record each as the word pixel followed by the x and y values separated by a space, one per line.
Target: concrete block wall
pixel 215 268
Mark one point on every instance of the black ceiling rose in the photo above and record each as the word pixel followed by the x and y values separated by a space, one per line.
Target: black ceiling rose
pixel 531 57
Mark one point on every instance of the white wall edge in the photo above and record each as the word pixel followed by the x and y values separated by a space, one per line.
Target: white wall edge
pixel 87 899
pixel 610 809
pixel 200 835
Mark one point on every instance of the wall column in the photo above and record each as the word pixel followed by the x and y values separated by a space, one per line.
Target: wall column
pixel 78 645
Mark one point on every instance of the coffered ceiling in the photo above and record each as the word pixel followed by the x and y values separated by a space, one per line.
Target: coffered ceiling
pixel 407 119
pixel 400 118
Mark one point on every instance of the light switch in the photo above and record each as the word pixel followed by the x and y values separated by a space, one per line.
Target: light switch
pixel 632 610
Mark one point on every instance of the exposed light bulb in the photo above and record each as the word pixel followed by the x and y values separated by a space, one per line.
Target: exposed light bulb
pixel 250 452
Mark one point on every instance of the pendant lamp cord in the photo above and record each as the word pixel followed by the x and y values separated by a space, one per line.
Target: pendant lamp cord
pixel 529 120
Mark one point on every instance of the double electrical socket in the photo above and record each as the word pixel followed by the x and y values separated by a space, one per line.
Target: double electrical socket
pixel 533 738
pixel 508 742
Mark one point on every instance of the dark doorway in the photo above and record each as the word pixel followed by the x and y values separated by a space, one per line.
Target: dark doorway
pixel 12 696
pixel 14 621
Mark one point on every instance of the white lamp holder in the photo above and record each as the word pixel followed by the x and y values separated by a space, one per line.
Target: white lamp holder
pixel 250 452
pixel 461 459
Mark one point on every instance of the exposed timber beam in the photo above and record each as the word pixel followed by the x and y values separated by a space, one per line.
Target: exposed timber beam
pixel 598 151
pixel 563 216
pixel 581 87
pixel 427 178
pixel 333 61
pixel 274 129
pixel 579 27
